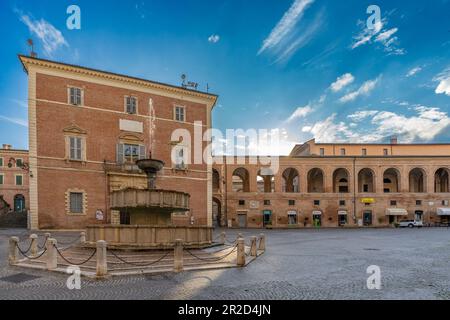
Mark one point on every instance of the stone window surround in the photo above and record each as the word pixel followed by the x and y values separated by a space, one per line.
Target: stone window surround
pixel 75 132
pixel 2 182
pixel 125 104
pixel 82 95
pixel 2 162
pixel 85 202
pixel 17 160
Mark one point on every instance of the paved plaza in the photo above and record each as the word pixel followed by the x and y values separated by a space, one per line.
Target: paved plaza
pixel 307 264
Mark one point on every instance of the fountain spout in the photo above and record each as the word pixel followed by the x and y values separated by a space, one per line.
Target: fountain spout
pixel 151 168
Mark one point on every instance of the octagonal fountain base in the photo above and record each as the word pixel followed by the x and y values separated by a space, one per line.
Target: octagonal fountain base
pixel 149 237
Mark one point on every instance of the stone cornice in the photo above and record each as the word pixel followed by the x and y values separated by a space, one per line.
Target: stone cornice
pixel 210 99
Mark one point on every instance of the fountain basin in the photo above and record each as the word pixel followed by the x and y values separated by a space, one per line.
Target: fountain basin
pixel 163 201
pixel 149 237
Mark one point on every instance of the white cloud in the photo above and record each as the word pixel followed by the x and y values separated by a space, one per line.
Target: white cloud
pixel 390 43
pixel 362 115
pixel 329 131
pixel 51 38
pixel 424 125
pixel 302 40
pixel 301 112
pixel 384 36
pixel 444 82
pixel 214 38
pixel 286 24
pixel 20 122
pixel 413 72
pixel 342 82
pixel 366 34
pixel 365 90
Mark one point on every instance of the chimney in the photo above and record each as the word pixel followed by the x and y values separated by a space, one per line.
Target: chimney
pixel 7 146
pixel 394 140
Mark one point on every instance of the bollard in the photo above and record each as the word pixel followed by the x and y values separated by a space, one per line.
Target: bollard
pixel 102 263
pixel 52 255
pixel 34 245
pixel 47 235
pixel 178 256
pixel 83 237
pixel 13 250
pixel 253 250
pixel 223 237
pixel 241 252
pixel 262 242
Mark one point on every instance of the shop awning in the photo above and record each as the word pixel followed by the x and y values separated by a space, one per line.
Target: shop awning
pixel 342 213
pixel 443 212
pixel 396 212
pixel 317 213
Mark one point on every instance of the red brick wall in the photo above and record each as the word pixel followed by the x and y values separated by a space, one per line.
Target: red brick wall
pixel 54 115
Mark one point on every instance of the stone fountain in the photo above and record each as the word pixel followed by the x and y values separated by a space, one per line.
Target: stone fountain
pixel 150 211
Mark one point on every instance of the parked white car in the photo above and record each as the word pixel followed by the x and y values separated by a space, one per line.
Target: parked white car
pixel 410 224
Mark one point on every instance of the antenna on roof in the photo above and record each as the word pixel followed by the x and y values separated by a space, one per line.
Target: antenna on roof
pixel 188 84
pixel 31 45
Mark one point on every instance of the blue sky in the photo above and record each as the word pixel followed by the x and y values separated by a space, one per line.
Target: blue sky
pixel 309 68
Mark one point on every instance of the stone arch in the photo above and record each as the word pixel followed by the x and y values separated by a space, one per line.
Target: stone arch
pixel 265 181
pixel 241 180
pixel 442 181
pixel 316 181
pixel 417 180
pixel 341 181
pixel 391 180
pixel 366 181
pixel 291 181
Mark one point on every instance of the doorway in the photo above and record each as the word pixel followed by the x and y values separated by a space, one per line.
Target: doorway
pixel 267 220
pixel 317 220
pixel 367 218
pixel 419 216
pixel 19 203
pixel 242 220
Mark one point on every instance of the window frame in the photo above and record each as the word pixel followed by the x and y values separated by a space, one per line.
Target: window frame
pixel 84 208
pixel 2 162
pixel 2 179
pixel 68 139
pixel 343 152
pixel 364 152
pixel 186 157
pixel 69 96
pixel 175 113
pixel 15 180
pixel 136 106
pixel 120 151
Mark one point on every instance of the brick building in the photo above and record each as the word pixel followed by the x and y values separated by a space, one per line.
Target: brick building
pixel 86 130
pixel 337 185
pixel 14 180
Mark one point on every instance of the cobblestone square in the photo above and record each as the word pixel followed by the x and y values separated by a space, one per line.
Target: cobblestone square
pixel 309 264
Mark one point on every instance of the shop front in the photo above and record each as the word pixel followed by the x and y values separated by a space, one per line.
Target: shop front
pixel 444 215
pixel 396 214
pixel 317 218
pixel 342 217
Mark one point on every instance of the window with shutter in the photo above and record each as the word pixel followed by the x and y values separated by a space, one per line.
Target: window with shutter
pixel 180 114
pixel 75 148
pixel 75 96
pixel 131 103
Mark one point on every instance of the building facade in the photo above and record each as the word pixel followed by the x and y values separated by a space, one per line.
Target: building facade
pixel 86 130
pixel 14 180
pixel 332 185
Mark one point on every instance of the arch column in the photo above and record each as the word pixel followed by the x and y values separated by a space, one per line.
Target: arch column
pixel 404 179
pixel 328 179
